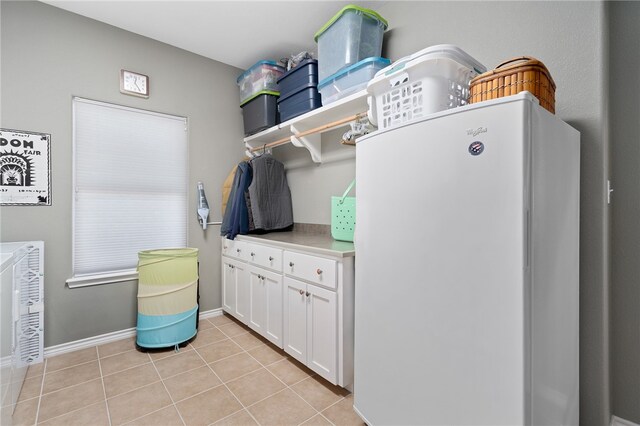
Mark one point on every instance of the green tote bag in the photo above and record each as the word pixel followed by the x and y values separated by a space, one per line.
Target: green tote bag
pixel 343 216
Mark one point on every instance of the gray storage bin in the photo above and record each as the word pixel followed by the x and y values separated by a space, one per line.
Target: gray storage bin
pixel 260 112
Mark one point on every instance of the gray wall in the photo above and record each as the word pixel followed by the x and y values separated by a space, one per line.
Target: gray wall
pixel 625 247
pixel 50 55
pixel 571 39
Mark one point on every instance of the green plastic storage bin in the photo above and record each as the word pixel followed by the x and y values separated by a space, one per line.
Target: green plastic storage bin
pixel 353 34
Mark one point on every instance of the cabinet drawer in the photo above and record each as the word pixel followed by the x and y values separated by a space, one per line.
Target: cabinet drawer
pixel 316 270
pixel 267 257
pixel 235 249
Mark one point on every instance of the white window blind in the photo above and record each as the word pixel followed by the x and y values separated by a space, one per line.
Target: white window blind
pixel 130 179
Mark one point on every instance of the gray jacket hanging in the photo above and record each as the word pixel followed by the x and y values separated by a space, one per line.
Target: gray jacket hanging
pixel 270 194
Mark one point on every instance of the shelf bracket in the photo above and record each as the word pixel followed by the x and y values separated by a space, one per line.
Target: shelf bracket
pixel 310 142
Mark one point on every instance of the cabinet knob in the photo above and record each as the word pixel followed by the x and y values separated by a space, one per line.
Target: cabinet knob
pixel 238 250
pixel 259 277
pixel 291 264
pixel 308 294
pixel 301 292
pixel 225 247
pixel 252 254
pixel 318 271
pixel 270 258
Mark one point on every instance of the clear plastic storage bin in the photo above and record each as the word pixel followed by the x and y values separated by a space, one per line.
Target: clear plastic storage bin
pixel 351 79
pixel 262 76
pixel 431 80
pixel 353 34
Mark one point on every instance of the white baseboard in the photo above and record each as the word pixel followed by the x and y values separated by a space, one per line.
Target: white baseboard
pixel 617 421
pixel 107 338
pixel 88 342
pixel 211 313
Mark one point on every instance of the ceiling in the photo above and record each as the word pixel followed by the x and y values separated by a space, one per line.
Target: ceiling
pixel 238 33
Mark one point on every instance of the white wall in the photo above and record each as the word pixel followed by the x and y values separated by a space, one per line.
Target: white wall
pixel 49 56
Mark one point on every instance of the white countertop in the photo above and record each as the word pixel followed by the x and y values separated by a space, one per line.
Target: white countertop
pixel 310 242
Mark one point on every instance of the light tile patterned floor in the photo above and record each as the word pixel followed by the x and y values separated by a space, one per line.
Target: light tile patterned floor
pixel 228 375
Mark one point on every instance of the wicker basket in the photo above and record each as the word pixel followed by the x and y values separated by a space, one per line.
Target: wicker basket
pixel 514 76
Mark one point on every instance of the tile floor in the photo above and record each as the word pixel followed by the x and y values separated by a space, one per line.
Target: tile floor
pixel 227 375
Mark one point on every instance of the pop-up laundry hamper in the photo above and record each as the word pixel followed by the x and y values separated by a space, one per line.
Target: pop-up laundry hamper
pixel 167 297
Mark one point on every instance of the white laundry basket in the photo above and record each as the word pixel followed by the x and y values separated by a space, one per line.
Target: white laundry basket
pixel 431 80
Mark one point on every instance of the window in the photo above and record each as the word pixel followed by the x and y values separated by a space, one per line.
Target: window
pixel 130 188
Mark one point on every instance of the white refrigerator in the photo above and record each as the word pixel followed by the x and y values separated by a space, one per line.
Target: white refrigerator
pixel 466 304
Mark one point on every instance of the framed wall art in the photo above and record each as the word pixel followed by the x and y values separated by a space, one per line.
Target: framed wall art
pixel 25 168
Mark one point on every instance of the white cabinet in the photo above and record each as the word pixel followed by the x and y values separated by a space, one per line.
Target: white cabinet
pixel 266 304
pixel 310 327
pixel 250 291
pixel 235 289
pixel 318 314
pixel 228 286
pixel 299 300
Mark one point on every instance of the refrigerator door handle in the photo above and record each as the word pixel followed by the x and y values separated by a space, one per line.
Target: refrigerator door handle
pixel 527 236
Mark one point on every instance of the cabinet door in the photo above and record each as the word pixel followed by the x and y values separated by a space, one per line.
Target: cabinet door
pixel 322 330
pixel 295 319
pixel 228 287
pixel 257 297
pixel 242 293
pixel 273 304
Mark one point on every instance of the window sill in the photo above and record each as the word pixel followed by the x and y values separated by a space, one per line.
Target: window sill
pixel 99 279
